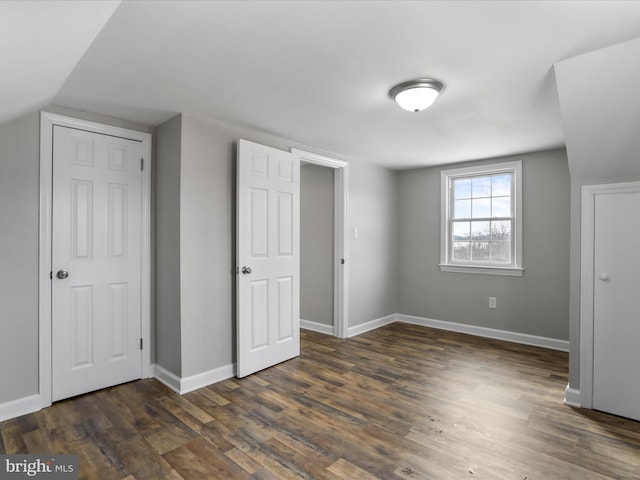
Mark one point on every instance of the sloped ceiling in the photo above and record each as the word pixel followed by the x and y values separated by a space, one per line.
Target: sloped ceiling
pixel 319 72
pixel 40 44
pixel 600 100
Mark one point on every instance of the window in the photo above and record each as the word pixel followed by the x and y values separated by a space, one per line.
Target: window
pixel 481 228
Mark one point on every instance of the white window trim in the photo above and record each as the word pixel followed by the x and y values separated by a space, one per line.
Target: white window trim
pixel 516 270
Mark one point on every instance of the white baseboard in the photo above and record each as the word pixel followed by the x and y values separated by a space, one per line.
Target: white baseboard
pixel 572 397
pixel 534 340
pixel 316 327
pixel 21 406
pixel 188 384
pixel 371 325
pixel 164 376
pixel 207 378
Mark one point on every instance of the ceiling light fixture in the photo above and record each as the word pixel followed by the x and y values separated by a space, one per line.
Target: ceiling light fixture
pixel 416 95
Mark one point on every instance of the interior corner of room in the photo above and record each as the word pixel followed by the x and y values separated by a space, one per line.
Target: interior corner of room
pixel 390 230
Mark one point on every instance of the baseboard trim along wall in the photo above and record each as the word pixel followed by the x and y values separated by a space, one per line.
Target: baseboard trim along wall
pixel 371 325
pixel 188 384
pixel 19 407
pixel 523 338
pixel 572 397
pixel 166 377
pixel 23 406
pixel 316 327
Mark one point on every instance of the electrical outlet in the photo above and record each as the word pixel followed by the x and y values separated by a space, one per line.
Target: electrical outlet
pixel 492 302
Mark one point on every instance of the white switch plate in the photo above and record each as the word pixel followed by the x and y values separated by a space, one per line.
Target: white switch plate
pixel 492 302
pixel 356 233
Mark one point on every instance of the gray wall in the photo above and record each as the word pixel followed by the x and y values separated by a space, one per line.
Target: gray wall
pixel 19 171
pixel 207 238
pixel 602 143
pixel 317 234
pixel 393 263
pixel 373 209
pixel 536 303
pixel 194 252
pixel 206 249
pixel 167 244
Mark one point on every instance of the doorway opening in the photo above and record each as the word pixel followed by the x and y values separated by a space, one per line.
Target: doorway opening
pixel 340 242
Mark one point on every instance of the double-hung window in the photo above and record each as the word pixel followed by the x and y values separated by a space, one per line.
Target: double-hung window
pixel 481 227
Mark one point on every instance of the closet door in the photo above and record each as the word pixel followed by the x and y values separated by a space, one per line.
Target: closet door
pixel 97 237
pixel 616 304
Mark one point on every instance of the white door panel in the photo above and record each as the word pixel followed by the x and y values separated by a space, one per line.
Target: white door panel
pixel 616 356
pixel 96 238
pixel 268 251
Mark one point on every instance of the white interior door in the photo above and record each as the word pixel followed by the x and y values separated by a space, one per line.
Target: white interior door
pixel 268 257
pixel 616 321
pixel 96 261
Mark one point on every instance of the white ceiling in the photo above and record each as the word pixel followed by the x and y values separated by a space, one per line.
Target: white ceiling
pixel 318 72
pixel 40 44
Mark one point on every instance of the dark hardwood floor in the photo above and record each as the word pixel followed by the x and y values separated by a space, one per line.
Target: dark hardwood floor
pixel 401 402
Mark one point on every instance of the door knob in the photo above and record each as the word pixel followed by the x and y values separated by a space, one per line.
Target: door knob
pixel 604 277
pixel 246 270
pixel 62 274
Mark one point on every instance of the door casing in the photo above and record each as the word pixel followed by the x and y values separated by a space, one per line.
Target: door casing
pixel 47 121
pixel 341 240
pixel 587 278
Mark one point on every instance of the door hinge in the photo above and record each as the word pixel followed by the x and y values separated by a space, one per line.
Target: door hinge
pixel 50 275
pixel 140 344
pixel 141 164
pixel 342 261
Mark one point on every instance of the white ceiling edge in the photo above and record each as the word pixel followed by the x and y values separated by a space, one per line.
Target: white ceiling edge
pixel 41 42
pixel 601 130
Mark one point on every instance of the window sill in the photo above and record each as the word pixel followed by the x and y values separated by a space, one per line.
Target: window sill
pixel 504 271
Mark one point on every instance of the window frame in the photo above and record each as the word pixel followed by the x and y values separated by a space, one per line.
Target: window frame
pixel 514 269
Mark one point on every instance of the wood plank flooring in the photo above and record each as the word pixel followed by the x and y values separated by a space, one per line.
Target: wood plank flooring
pixel 401 402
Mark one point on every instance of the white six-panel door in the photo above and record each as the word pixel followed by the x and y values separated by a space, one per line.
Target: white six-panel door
pixel 96 261
pixel 268 257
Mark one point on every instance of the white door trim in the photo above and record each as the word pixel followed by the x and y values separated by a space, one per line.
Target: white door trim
pixel 587 278
pixel 341 245
pixel 47 122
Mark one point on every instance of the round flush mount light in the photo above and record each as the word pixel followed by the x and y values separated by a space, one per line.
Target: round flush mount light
pixel 416 95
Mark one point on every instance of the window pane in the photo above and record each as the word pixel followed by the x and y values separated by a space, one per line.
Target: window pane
pixel 480 231
pixel 461 251
pixel 462 209
pixel 501 231
pixel 462 188
pixel 501 252
pixel 501 184
pixel 461 231
pixel 479 212
pixel 481 187
pixel 501 207
pixel 480 251
pixel 481 208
